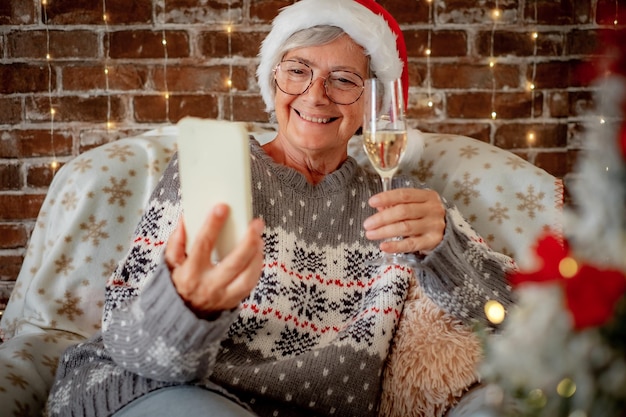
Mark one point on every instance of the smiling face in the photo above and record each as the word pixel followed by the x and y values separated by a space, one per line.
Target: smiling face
pixel 310 125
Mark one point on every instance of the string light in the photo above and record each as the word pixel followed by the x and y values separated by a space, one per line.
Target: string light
pixel 166 92
pixel 428 54
pixel 229 80
pixel 107 56
pixel 54 165
pixel 495 16
pixel 494 311
pixel 532 82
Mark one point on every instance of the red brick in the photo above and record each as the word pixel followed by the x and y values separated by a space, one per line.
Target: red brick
pixel 469 76
pixel 20 206
pixel 24 78
pixel 581 103
pixel 196 79
pixel 564 12
pixel 266 10
pixel 17 12
pixel 509 43
pixel 148 44
pixel 11 177
pixel 13 235
pixel 246 108
pixel 215 44
pixel 153 108
pixel 444 43
pixel 17 143
pixel 63 12
pixel 554 74
pixel 86 109
pixel 468 11
pixel 10 266
pixel 407 12
pixel 40 175
pixel 10 110
pixel 558 104
pixel 583 42
pixel 607 12
pixel 201 11
pixel 78 77
pixel 506 105
pixel 515 135
pixel 63 44
pixel 557 163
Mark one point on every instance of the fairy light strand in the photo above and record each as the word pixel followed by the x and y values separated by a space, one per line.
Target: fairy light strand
pixel 429 53
pixel 531 136
pixel 166 91
pixel 107 55
pixel 229 82
pixel 495 16
pixel 54 165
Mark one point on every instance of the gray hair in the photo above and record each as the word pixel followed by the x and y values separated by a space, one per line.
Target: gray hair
pixel 313 36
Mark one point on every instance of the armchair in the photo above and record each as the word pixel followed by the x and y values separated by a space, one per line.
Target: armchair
pixel 95 200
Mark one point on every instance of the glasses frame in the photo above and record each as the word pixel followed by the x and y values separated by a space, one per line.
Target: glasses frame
pixel 362 87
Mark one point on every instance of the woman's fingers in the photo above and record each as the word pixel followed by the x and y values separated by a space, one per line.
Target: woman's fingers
pixel 209 288
pixel 416 215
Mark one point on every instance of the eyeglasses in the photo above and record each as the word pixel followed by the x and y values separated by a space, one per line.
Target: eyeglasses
pixel 295 78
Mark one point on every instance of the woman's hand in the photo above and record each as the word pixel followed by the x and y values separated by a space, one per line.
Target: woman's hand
pixel 207 287
pixel 417 215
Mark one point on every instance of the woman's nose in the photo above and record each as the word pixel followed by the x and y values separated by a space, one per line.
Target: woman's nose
pixel 317 89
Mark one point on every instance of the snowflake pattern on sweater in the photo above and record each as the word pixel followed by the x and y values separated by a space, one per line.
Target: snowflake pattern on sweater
pixel 311 338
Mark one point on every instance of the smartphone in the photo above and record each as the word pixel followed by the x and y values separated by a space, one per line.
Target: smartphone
pixel 214 167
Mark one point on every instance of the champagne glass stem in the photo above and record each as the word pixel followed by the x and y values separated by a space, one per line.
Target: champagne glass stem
pixel 386 180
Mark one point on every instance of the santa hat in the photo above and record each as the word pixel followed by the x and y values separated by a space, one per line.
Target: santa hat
pixel 365 21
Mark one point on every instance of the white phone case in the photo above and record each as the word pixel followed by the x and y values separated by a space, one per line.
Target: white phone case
pixel 214 167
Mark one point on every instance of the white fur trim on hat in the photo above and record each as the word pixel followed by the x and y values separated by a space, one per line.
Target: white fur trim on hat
pixel 366 28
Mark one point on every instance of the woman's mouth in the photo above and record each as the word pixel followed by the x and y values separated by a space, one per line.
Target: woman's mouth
pixel 322 120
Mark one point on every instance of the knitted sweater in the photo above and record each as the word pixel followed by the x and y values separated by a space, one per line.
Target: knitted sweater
pixel 311 338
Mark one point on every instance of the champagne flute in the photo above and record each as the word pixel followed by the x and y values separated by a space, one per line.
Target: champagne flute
pixel 384 141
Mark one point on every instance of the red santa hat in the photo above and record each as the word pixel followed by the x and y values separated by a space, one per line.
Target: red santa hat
pixel 365 21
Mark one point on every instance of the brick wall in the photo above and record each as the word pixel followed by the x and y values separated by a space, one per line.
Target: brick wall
pixel 92 107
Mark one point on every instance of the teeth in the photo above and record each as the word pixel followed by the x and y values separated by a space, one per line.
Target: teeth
pixel 314 119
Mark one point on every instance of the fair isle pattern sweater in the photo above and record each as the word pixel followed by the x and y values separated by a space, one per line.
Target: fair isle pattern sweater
pixel 311 338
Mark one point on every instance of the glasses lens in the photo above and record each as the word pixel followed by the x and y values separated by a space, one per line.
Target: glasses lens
pixel 293 77
pixel 342 87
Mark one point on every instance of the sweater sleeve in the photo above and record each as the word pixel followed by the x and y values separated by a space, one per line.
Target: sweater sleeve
pixel 157 336
pixel 462 273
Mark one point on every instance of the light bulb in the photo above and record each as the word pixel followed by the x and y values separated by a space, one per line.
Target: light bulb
pixel 496 13
pixel 428 52
pixel 494 115
pixel 568 267
pixel 494 311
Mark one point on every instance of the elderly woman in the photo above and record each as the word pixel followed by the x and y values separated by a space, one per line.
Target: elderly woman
pixel 293 322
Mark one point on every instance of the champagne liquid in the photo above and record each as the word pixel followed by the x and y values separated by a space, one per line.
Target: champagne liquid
pixel 385 149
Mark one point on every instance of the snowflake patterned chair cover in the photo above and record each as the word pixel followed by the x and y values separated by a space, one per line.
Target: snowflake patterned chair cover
pixel 95 201
pixel 82 231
